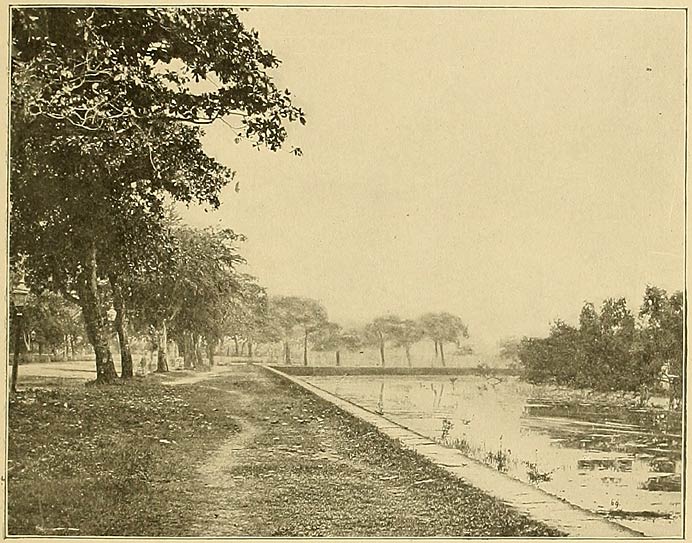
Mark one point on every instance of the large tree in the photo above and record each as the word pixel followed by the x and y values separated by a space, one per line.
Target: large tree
pixel 291 313
pixel 191 298
pixel 105 119
pixel 332 337
pixel 407 333
pixel 443 328
pixel 381 330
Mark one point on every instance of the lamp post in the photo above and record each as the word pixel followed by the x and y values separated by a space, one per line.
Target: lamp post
pixel 19 295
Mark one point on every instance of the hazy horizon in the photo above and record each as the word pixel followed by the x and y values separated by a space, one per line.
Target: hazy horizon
pixel 502 165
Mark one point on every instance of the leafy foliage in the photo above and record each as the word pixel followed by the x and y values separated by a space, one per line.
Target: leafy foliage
pixel 444 327
pixel 291 313
pixel 106 124
pixel 332 337
pixel 382 329
pixel 48 319
pixel 85 67
pixel 200 293
pixel 611 349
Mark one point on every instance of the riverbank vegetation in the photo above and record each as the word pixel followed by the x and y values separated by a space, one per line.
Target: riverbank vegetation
pixel 613 348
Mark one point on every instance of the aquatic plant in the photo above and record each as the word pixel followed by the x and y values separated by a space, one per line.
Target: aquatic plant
pixel 460 444
pixel 447 425
pixel 535 475
pixel 499 459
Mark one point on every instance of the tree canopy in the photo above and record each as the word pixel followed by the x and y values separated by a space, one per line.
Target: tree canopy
pixel 106 125
pixel 443 328
pixel 611 348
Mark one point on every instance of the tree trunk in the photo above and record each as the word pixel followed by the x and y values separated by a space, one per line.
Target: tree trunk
pixel 94 321
pixel 162 359
pixel 17 349
pixel 249 348
pixel 382 350
pixel 199 359
pixel 126 371
pixel 305 349
pixel 211 347
pixel 188 351
pixel 338 358
pixel 237 347
pixel 287 353
pixel 442 354
pixel 380 400
pixel 436 351
pixel 407 348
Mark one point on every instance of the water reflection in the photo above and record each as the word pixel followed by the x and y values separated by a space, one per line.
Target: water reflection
pixel 620 461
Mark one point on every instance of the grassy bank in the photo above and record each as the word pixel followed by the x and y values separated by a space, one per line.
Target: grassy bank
pixel 245 453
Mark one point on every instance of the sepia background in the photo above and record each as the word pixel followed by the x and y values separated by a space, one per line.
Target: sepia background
pixel 506 165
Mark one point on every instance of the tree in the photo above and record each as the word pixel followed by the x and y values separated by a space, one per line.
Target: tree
pixel 108 117
pixel 193 297
pixel 282 310
pixel 551 359
pixel 291 312
pixel 245 313
pixel 664 324
pixel 310 317
pixel 443 328
pixel 407 333
pixel 50 323
pixel 328 338
pixel 509 349
pixel 332 337
pixel 381 330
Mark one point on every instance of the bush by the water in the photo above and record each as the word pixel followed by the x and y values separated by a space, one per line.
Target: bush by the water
pixel 613 349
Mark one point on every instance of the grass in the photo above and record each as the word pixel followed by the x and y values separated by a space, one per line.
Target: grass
pixel 242 454
pixel 106 461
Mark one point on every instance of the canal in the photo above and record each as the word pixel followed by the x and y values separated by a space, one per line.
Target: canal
pixel 594 451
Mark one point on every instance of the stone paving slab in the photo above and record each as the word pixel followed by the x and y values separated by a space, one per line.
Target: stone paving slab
pixel 528 499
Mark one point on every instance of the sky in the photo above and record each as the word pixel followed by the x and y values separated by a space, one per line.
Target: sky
pixel 502 165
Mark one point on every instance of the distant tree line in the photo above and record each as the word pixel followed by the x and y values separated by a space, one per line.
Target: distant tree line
pixel 611 348
pixel 193 300
pixel 308 318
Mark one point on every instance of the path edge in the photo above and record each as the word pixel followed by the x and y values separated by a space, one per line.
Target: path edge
pixel 584 523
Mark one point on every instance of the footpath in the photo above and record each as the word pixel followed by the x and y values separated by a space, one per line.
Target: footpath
pixel 237 451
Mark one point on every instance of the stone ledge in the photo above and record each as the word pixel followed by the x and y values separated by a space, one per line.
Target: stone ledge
pixel 530 500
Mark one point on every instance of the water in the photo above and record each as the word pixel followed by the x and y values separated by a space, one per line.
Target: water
pixel 620 461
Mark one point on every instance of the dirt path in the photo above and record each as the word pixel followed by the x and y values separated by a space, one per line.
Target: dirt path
pixel 192 377
pixel 216 476
pixel 301 467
